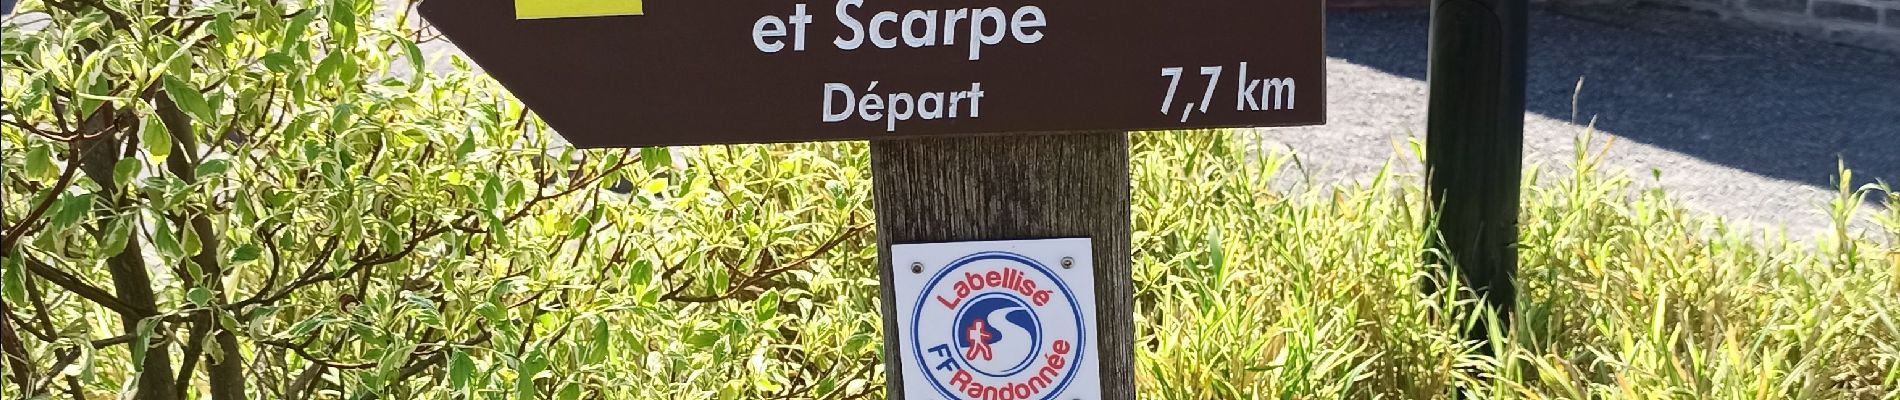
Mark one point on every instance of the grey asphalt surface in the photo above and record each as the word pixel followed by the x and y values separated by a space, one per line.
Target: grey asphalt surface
pixel 1740 122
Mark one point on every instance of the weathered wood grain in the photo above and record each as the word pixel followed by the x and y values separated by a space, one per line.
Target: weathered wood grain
pixel 1009 188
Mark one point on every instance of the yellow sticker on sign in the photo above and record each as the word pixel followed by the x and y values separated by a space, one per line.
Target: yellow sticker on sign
pixel 544 9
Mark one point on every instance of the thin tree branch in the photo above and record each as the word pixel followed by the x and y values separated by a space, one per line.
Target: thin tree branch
pixel 309 272
pixel 305 354
pixel 54 136
pixel 14 234
pixel 37 299
pixel 363 263
pixel 15 351
pixel 188 360
pixel 84 290
pixel 760 276
pixel 119 19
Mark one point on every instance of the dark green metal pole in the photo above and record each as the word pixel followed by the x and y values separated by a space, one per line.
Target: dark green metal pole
pixel 1475 143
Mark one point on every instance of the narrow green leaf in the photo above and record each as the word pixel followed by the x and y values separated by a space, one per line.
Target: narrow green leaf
pixel 143 343
pixel 93 84
pixel 223 29
pixel 88 360
pixel 656 158
pixel 192 269
pixel 703 339
pixel 642 273
pixel 503 288
pixel 71 210
pixel 517 193
pixel 392 241
pixel 35 95
pixel 326 68
pixel 227 321
pixel 15 285
pixel 721 279
pixel 295 129
pixel 278 62
pixel 173 57
pixel 294 33
pixel 417 63
pixel 581 225
pixel 212 350
pixel 342 116
pixel 198 296
pixel 767 306
pixel 347 71
pixel 269 17
pixel 612 158
pixel 190 100
pixel 393 359
pixel 125 170
pixel 856 343
pixel 212 168
pixel 156 141
pixel 345 158
pixel 499 231
pixel 465 148
pixel 247 252
pixel 491 312
pixel 603 339
pixel 343 19
pixel 309 325
pixel 423 309
pixel 491 193
pixel 118 233
pixel 460 367
pixel 216 101
pixel 165 238
pixel 39 163
pixel 1219 255
pixel 191 244
pixel 531 366
pixel 572 391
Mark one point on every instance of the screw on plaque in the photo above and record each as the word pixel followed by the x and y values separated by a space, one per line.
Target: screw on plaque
pixel 916 268
pixel 1068 262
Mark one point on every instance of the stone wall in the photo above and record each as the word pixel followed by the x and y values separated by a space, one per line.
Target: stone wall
pixel 1864 23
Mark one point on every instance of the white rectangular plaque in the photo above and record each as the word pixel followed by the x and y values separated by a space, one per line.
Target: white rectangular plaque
pixel 1001 320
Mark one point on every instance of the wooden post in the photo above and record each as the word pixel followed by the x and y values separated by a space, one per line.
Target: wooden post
pixel 1013 187
pixel 1475 144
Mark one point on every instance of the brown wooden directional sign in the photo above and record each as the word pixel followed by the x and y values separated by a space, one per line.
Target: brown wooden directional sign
pixel 619 73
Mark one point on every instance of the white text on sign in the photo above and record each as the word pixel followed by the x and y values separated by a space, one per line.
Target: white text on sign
pixel 890 108
pixel 861 29
pixel 919 28
pixel 1253 93
pixel 978 27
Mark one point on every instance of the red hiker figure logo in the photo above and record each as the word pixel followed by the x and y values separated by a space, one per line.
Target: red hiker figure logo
pixel 979 343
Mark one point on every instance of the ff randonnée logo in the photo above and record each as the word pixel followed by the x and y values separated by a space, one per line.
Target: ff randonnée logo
pixel 1016 333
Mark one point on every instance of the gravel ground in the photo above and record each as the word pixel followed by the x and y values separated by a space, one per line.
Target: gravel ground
pixel 1740 123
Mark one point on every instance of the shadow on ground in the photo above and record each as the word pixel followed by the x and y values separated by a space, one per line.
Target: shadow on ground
pixel 1765 103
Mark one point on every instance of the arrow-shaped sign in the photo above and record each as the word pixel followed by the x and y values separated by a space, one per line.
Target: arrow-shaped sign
pixel 703 72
